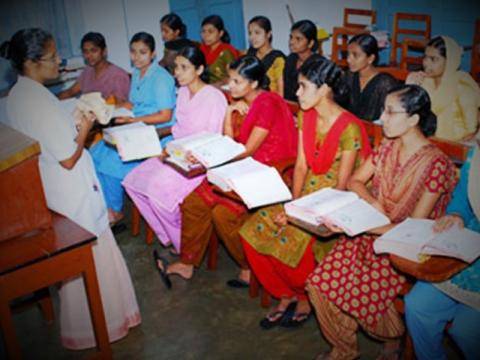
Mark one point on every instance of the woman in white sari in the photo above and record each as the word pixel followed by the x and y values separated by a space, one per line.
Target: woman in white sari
pixel 71 188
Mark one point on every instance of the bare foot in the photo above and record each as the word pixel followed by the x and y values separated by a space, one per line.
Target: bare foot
pixel 280 308
pixel 303 308
pixel 114 216
pixel 179 268
pixel 391 351
pixel 244 275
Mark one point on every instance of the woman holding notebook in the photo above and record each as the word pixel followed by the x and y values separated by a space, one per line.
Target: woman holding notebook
pixel 429 307
pixel 71 189
pixel 332 143
pixel 410 177
pixel 157 189
pixel 265 126
pixel 152 100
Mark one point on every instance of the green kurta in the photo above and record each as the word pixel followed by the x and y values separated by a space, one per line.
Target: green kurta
pixel 288 243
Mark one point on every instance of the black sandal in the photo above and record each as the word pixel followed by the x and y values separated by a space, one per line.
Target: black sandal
pixel 163 269
pixel 267 323
pixel 296 320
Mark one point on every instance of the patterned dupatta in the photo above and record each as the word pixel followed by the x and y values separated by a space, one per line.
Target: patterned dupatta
pixel 398 187
pixel 320 157
pixel 212 55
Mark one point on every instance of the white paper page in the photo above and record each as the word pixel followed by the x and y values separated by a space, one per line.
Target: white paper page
pixel 109 133
pixel 220 176
pixel 179 147
pixel 217 151
pixel 357 217
pixel 261 188
pixel 406 239
pixel 459 243
pixel 323 201
pixel 138 143
pixel 122 112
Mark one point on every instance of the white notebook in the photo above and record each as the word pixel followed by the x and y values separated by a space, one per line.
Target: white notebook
pixel 414 237
pixel 134 141
pixel 341 208
pixel 256 183
pixel 210 149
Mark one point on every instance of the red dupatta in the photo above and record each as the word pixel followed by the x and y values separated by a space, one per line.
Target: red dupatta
pixel 212 55
pixel 320 157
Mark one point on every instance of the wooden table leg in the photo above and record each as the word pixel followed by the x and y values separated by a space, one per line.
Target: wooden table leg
pixel 96 309
pixel 8 330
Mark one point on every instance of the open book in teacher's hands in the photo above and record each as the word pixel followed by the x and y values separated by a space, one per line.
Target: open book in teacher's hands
pixel 413 238
pixel 134 141
pixel 257 184
pixel 343 209
pixel 210 149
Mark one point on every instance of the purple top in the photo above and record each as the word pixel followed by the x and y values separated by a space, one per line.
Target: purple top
pixel 112 81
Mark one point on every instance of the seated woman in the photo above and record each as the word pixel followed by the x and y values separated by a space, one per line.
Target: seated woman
pixel 368 87
pixel 455 95
pixel 429 307
pixel 268 133
pixel 260 37
pixel 303 44
pixel 217 49
pixel 100 74
pixel 174 33
pixel 157 189
pixel 332 143
pixel 71 189
pixel 152 100
pixel 410 177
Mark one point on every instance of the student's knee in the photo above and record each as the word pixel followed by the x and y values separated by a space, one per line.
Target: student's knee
pixel 416 301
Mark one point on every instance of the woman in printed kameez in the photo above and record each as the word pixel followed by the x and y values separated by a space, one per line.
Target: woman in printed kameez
pixel 157 189
pixel 268 133
pixel 71 189
pixel 455 94
pixel 410 177
pixel 99 74
pixel 368 86
pixel 217 49
pixel 429 307
pixel 152 100
pixel 260 37
pixel 332 142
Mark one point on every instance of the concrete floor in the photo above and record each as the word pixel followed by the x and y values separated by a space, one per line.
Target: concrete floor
pixel 199 319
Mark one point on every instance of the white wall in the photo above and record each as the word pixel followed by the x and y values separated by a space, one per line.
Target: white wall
pixel 324 13
pixel 118 21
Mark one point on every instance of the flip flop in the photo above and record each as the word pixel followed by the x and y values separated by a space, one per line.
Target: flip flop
pixel 266 323
pixel 118 227
pixel 296 320
pixel 163 269
pixel 237 284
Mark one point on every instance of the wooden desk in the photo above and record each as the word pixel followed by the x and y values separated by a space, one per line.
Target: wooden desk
pixel 435 269
pixel 45 257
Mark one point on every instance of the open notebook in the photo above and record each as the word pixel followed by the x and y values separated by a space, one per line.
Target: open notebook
pixel 256 183
pixel 414 237
pixel 341 208
pixel 134 141
pixel 210 149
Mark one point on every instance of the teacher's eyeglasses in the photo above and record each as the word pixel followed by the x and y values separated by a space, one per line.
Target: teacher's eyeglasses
pixel 52 59
pixel 391 112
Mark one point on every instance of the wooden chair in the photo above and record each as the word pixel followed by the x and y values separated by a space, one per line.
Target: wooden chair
pixel 340 37
pixel 399 31
pixel 349 12
pixel 408 62
pixel 475 68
